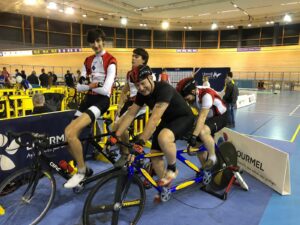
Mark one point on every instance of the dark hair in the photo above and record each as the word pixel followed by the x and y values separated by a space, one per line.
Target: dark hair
pixel 142 52
pixel 140 73
pixel 229 74
pixel 94 34
pixel 186 86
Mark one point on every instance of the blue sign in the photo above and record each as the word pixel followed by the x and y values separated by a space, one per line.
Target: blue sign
pixel 13 157
pixel 216 76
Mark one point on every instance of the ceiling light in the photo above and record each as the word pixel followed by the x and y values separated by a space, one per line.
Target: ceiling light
pixel 272 22
pixel 214 26
pixel 84 15
pixel 235 5
pixel 30 2
pixel 165 25
pixel 249 25
pixel 61 10
pixel 190 27
pixel 124 21
pixel 287 18
pixel 69 11
pixel 101 18
pixel 267 22
pixel 52 6
pixel 185 28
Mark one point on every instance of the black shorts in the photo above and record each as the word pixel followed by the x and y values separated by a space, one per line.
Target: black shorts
pixel 179 127
pixel 94 105
pixel 216 123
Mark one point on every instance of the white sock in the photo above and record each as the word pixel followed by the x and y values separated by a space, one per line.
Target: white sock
pixel 82 170
pixel 213 158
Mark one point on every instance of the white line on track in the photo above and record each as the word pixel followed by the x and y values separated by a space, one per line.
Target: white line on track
pixel 291 113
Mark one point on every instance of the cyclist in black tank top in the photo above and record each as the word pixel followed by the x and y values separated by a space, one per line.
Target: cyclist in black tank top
pixel 168 107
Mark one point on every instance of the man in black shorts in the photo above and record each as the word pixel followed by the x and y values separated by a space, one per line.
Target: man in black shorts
pixel 100 70
pixel 168 107
pixel 212 116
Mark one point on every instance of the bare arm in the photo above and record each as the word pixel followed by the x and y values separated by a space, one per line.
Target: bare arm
pixel 128 118
pixel 123 97
pixel 200 121
pixel 156 115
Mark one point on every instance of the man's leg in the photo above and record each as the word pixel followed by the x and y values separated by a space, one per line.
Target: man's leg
pixel 209 143
pixel 158 164
pixel 72 133
pixel 166 140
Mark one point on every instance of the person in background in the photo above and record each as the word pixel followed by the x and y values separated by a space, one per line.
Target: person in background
pixel 212 117
pixel 78 72
pixel 205 80
pixel 164 77
pixel 230 98
pixel 7 76
pixel 101 68
pixel 44 79
pixel 2 80
pixel 23 83
pixel 23 74
pixel 70 79
pixel 139 57
pixel 39 106
pixel 33 79
pixel 50 79
pixel 54 78
pixel 17 73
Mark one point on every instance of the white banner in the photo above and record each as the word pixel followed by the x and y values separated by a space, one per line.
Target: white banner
pixel 268 164
pixel 17 53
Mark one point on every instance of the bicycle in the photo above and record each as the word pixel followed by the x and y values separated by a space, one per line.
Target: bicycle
pixel 120 196
pixel 22 193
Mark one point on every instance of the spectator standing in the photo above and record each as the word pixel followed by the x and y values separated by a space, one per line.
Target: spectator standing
pixel 33 79
pixel 17 73
pixel 70 79
pixel 44 78
pixel 6 75
pixel 164 77
pixel 230 98
pixel 23 74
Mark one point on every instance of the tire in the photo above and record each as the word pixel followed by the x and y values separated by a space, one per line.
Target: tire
pixel 109 201
pixel 13 194
pixel 227 155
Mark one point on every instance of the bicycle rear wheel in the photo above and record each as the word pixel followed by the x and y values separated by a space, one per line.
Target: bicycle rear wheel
pixel 116 199
pixel 26 196
pixel 227 156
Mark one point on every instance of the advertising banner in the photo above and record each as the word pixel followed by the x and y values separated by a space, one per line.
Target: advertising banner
pixel 14 157
pixel 266 163
pixel 216 76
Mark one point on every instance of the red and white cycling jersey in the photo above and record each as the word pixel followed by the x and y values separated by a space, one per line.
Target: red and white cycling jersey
pixel 100 68
pixel 207 98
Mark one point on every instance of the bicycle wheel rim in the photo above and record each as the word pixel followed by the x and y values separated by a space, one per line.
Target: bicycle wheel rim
pixel 19 207
pixel 102 205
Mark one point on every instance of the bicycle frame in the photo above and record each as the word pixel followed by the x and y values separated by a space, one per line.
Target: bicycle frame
pixel 200 174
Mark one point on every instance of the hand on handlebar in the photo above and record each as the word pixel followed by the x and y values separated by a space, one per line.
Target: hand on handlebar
pixel 138 146
pixel 112 140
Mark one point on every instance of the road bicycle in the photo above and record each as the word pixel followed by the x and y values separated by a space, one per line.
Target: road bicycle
pixel 28 193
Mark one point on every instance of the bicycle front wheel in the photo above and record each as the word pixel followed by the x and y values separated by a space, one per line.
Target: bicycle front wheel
pixel 26 196
pixel 116 199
